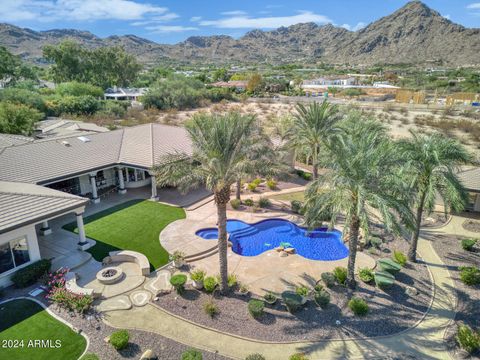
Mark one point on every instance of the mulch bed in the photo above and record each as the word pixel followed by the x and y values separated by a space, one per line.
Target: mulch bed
pixel 390 312
pixel 472 225
pixel 468 308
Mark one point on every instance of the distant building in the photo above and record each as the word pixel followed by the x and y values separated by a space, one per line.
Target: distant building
pixel 239 85
pixel 57 128
pixel 331 81
pixel 124 93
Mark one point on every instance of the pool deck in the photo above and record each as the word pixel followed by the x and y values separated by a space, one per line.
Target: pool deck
pixel 265 272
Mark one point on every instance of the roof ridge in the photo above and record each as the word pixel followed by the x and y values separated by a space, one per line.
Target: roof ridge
pixel 151 145
pixel 70 196
pixel 120 148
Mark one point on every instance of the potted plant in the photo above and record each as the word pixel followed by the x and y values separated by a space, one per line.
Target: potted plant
pixel 243 290
pixel 270 298
pixel 197 277
pixel 178 258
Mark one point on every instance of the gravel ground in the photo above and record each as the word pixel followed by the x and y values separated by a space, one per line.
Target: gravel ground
pixel 390 312
pixel 472 225
pixel 468 308
pixel 97 331
pixel 434 219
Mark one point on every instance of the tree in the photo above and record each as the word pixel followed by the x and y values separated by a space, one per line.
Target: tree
pixel 70 61
pixel 18 118
pixel 75 88
pixel 360 184
pixel 431 164
pixel 220 74
pixel 255 83
pixel 220 152
pixel 313 126
pixel 12 69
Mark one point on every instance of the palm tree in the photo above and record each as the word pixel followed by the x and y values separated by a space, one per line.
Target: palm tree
pixel 360 183
pixel 313 125
pixel 221 146
pixel 431 164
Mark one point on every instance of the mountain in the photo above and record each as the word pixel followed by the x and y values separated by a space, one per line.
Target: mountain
pixel 413 34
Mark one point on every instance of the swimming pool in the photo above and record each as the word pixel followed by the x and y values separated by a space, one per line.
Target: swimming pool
pixel 254 239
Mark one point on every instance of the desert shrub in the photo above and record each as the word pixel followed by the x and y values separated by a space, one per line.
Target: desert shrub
pixel 232 280
pixel 366 275
pixel 235 203
pixel 197 275
pixel 175 93
pixel 257 181
pixel 263 202
pixel 468 339
pixel 302 290
pixel 192 354
pixel 25 97
pixel 210 308
pixel 248 202
pixel 271 184
pixel 296 206
pixel 178 282
pixel 252 186
pixel 358 306
pixel 18 118
pixel 376 241
pixel 322 298
pixel 468 244
pixel 469 275
pixel 270 298
pixel 218 94
pixel 209 284
pixel 399 257
pixel 318 287
pixel 304 175
pixel 31 273
pixel 75 88
pixel 328 279
pixel 340 274
pixel 298 356
pixel 114 109
pixel 119 339
pixel 255 356
pixel 292 301
pixel 72 105
pixel 255 308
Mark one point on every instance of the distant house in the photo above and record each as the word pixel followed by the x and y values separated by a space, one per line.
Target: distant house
pixel 239 85
pixel 57 127
pixel 132 94
pixel 470 178
pixel 331 81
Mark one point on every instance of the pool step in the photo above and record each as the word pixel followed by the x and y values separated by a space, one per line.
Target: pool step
pixel 202 255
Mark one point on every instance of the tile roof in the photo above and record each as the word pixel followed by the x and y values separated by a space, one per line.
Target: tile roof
pixel 11 140
pixel 46 161
pixel 24 204
pixel 470 177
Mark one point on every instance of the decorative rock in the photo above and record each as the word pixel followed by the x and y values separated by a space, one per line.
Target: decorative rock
pixel 290 251
pixel 156 298
pixel 148 355
pixel 107 339
pixel 283 254
pixel 411 291
pixel 279 249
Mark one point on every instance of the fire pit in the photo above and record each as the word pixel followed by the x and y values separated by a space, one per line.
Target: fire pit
pixel 110 275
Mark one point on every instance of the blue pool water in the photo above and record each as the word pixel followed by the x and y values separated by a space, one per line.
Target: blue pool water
pixel 254 239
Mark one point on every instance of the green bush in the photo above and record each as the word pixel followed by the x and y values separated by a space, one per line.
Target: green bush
pixel 469 275
pixel 468 244
pixel 18 118
pixel 304 175
pixel 209 284
pixel 90 356
pixel 468 339
pixel 31 273
pixel 296 206
pixel 322 298
pixel 257 181
pixel 114 109
pixel 366 275
pixel 192 354
pixel 255 308
pixel 292 301
pixel 399 257
pixel 252 186
pixel 269 297
pixel 25 97
pixel 178 281
pixel 248 202
pixel 119 339
pixel 235 203
pixel 255 356
pixel 72 105
pixel 197 275
pixel 358 306
pixel 271 184
pixel 376 242
pixel 340 274
pixel 302 290
pixel 328 279
pixel 298 356
pixel 218 94
pixel 210 308
pixel 75 88
pixel 318 287
pixel 263 202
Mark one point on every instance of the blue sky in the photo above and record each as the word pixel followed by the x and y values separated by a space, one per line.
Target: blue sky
pixel 173 21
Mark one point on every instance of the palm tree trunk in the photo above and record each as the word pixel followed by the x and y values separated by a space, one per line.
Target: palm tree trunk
pixel 221 199
pixel 352 247
pixel 315 171
pixel 238 189
pixel 412 251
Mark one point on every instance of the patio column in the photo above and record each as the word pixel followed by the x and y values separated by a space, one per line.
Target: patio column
pixel 45 229
pixel 82 241
pixel 154 187
pixel 121 182
pixel 93 182
pixel 127 173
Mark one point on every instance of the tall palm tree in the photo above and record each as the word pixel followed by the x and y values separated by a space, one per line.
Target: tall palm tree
pixel 220 146
pixel 360 183
pixel 313 125
pixel 431 164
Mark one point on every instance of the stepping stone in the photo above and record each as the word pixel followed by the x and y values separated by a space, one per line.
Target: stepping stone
pixel 121 302
pixel 140 297
pixel 161 283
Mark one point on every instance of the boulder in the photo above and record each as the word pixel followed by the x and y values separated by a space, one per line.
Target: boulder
pixel 290 251
pixel 389 265
pixel 384 279
pixel 411 291
pixel 148 355
pixel 279 249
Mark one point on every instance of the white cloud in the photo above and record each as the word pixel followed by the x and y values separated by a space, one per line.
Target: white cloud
pixel 234 13
pixel 170 28
pixel 447 16
pixel 474 6
pixel 357 27
pixel 272 22
pixel 195 18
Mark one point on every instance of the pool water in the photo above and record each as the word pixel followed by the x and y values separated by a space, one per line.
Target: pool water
pixel 254 239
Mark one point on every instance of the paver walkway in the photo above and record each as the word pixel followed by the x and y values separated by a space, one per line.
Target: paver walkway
pixel 424 341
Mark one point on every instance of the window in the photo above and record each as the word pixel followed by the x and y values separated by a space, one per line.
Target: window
pixel 13 254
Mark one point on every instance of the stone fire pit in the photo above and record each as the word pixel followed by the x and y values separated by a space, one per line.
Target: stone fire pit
pixel 110 275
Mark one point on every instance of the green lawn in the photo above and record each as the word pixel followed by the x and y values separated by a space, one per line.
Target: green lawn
pixel 25 320
pixel 299 195
pixel 134 225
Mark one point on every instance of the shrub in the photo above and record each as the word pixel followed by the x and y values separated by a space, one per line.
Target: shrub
pixel 263 202
pixel 366 275
pixel 210 308
pixel 252 186
pixel 399 257
pixel 75 88
pixel 358 306
pixel 119 339
pixel 209 284
pixel 304 175
pixel 18 118
pixel 389 265
pixel 469 275
pixel 90 356
pixel 383 279
pixel 468 339
pixel 318 287
pixel 174 93
pixel 376 241
pixel 328 278
pixel 235 203
pixel 248 202
pixel 296 206
pixel 298 356
pixel 271 184
pixel 192 354
pixel 255 308
pixel 178 282
pixel 322 298
pixel 257 181
pixel 468 244
pixel 114 109
pixel 31 273
pixel 302 290
pixel 340 274
pixel 197 275
pixel 74 105
pixel 255 356
pixel 292 301
pixel 270 298
pixel 24 97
